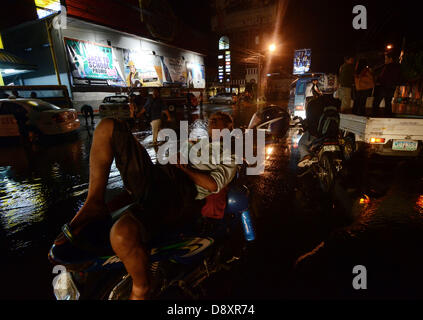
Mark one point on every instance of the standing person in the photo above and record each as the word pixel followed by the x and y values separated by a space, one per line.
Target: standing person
pixel 346 82
pixel 315 89
pixel 201 99
pixel 386 83
pixel 154 107
pixel 87 110
pixel 364 86
pixel 16 94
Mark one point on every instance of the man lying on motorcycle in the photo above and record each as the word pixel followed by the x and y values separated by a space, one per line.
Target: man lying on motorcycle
pixel 165 192
pixel 318 111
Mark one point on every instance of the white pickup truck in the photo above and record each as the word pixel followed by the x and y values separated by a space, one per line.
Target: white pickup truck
pixel 398 136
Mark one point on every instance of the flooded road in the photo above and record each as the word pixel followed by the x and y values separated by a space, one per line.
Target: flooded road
pixel 43 186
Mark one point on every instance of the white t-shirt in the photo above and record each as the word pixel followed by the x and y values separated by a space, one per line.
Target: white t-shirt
pixel 221 171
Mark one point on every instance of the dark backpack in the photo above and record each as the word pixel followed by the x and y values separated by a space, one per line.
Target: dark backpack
pixel 328 123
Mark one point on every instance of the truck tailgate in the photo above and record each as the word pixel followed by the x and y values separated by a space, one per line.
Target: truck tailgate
pixel 388 128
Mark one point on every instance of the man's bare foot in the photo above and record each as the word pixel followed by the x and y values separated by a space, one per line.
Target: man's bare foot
pixel 139 293
pixel 89 212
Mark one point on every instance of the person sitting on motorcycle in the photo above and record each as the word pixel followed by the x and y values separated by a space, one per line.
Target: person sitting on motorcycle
pixel 314 111
pixel 164 191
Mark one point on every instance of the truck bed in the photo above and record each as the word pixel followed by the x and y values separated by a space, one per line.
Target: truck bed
pixel 365 128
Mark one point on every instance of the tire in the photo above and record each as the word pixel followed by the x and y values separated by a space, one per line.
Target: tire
pixel 349 148
pixel 327 172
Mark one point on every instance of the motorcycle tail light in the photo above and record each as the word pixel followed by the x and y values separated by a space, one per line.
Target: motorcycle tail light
pixel 377 140
pixel 364 199
pixel 299 108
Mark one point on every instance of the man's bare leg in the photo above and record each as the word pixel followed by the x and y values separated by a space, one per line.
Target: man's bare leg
pixel 101 158
pixel 125 238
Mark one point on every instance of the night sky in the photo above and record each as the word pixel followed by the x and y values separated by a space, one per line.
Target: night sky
pixel 323 26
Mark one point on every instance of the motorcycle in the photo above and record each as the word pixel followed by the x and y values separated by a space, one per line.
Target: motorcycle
pixel 327 159
pixel 274 120
pixel 182 261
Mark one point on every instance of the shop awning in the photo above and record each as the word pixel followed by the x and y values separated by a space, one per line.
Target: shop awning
pixel 12 65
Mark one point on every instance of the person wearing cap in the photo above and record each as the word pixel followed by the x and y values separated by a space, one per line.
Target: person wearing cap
pixel 133 77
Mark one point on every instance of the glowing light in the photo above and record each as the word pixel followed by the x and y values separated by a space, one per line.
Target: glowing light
pixel 377 140
pixel 269 151
pixel 272 47
pixel 389 46
pixel 365 199
pixel 420 202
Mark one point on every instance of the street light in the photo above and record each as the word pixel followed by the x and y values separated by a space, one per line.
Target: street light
pixel 259 56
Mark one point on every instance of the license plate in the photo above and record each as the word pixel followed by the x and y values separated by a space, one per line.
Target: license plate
pixel 330 148
pixel 404 145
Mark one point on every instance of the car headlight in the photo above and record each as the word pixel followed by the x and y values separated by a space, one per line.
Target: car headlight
pixel 64 287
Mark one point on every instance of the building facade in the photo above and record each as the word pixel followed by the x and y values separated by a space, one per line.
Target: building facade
pixel 249 27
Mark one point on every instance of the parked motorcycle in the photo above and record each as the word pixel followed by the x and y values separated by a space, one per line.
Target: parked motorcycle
pixel 327 158
pixel 182 261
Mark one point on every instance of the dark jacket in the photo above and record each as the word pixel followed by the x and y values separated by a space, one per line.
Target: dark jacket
pixel 346 75
pixel 314 111
pixel 390 75
pixel 155 107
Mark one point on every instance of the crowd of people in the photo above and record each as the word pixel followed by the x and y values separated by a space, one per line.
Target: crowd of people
pixel 368 86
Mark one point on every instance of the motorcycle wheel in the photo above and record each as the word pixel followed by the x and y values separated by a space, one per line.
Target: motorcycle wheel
pixel 349 148
pixel 327 172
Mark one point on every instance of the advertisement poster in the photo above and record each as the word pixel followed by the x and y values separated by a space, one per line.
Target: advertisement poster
pixel 93 63
pixel 175 71
pixel 302 61
pixel 46 8
pixel 142 69
pixel 196 76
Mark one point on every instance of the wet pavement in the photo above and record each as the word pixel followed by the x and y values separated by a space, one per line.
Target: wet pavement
pixel 42 187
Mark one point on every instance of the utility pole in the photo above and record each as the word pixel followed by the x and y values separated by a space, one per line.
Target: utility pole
pixel 1 47
pixel 258 79
pixel 53 53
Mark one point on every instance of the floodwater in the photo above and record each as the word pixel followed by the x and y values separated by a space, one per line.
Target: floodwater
pixel 43 186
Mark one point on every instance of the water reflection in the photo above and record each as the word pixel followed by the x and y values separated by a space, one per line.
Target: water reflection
pixel 41 186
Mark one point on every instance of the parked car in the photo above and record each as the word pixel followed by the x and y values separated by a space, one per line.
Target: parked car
pixel 115 107
pixel 39 117
pixel 226 98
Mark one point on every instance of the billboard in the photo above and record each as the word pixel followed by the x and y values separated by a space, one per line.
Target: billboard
pixel 142 69
pixel 196 76
pixel 302 61
pixel 92 63
pixel 175 71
